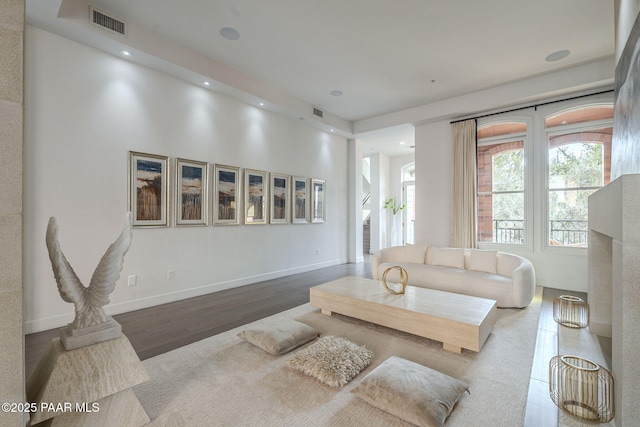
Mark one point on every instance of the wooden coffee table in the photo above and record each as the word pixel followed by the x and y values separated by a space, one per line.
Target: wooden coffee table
pixel 458 321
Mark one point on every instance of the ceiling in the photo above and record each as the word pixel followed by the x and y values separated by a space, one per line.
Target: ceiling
pixel 384 56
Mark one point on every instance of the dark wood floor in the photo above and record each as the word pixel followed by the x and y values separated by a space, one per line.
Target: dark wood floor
pixel 163 328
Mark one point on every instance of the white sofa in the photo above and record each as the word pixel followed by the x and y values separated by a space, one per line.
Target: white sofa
pixel 507 278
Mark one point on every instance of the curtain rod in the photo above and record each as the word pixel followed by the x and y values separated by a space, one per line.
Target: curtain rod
pixel 535 106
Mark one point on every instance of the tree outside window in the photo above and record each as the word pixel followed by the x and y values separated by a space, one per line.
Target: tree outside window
pixel 577 169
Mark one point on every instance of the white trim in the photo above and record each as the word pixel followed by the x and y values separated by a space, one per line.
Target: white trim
pixel 38 325
pixel 529 178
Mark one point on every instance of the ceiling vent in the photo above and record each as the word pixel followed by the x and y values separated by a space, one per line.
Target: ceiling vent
pixel 107 22
pixel 317 112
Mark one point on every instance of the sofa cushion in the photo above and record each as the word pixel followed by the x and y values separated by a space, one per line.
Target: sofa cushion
pixel 407 253
pixel 447 257
pixel 481 260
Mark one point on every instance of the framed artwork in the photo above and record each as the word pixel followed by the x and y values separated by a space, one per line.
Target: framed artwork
pixel 256 196
pixel 318 199
pixel 227 195
pixel 192 192
pixel 148 189
pixel 280 195
pixel 300 200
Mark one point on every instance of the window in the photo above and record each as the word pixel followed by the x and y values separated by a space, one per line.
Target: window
pixel 536 171
pixel 579 160
pixel 501 183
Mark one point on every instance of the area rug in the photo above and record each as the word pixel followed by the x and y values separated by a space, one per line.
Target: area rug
pixel 225 381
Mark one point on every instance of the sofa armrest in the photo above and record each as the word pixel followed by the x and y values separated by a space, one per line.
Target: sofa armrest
pixel 524 284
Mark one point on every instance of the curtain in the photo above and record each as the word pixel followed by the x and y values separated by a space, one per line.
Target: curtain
pixel 463 212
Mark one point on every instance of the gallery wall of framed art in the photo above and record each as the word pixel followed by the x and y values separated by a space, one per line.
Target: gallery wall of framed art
pixel 238 195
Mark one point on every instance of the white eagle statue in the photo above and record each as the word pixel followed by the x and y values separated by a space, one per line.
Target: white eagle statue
pixel 88 301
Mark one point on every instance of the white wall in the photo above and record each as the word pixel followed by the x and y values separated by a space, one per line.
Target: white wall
pixel 433 184
pixel 85 109
pixel 355 201
pixel 380 191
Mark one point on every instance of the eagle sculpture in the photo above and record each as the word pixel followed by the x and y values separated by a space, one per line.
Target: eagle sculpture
pixel 88 301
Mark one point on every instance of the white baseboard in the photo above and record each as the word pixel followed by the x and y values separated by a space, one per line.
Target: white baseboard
pixel 38 325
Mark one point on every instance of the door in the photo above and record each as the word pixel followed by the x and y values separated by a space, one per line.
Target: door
pixel 409 213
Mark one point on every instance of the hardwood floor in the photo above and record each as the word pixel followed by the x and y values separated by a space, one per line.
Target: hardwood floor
pixel 163 328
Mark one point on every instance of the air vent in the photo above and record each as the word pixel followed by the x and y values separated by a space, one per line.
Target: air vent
pixel 107 22
pixel 317 112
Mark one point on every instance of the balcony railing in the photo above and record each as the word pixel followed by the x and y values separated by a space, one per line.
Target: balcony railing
pixel 561 232
pixel 508 231
pixel 568 232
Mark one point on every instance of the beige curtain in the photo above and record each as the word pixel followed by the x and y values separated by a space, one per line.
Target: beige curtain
pixel 463 212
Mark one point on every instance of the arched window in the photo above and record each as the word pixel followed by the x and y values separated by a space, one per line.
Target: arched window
pixel 578 164
pixel 501 182
pixel 536 170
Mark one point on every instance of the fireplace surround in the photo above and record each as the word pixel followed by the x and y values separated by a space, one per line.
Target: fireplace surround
pixel 614 284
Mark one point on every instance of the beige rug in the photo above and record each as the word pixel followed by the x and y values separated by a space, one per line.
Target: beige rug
pixel 225 381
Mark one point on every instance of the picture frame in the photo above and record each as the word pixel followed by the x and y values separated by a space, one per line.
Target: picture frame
pixel 192 192
pixel 299 200
pixel 318 201
pixel 148 189
pixel 280 198
pixel 256 196
pixel 227 196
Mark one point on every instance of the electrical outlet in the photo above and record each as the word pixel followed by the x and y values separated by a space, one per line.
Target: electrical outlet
pixel 132 280
pixel 170 274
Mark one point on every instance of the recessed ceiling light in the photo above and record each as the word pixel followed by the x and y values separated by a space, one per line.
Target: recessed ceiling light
pixel 557 56
pixel 332 130
pixel 206 83
pixel 261 104
pixel 230 33
pixel 125 52
pixel 336 93
pixel 403 142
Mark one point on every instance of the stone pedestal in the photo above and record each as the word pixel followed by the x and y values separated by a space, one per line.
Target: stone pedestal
pixel 88 386
pixel 76 338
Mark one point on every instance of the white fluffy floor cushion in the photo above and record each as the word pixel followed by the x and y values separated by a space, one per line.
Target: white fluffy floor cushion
pixel 333 361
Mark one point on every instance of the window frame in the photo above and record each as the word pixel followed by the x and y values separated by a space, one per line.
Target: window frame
pixel 556 131
pixel 536 145
pixel 543 150
pixel 528 181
